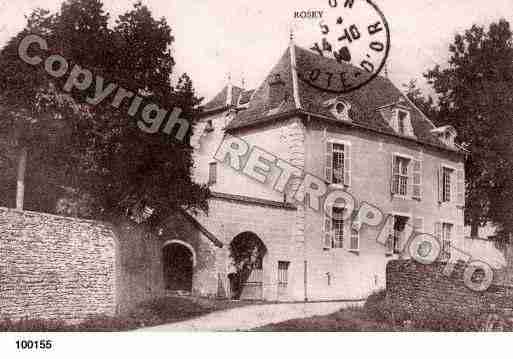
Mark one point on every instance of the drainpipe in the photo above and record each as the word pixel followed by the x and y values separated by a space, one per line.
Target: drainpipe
pixel 305 247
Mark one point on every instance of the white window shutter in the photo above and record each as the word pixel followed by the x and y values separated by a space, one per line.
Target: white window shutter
pixel 440 184
pixel 326 241
pixel 392 168
pixel 328 172
pixel 409 184
pixel 347 164
pixel 417 179
pixel 460 190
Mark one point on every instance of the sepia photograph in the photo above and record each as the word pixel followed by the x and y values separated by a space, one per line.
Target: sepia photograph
pixel 242 166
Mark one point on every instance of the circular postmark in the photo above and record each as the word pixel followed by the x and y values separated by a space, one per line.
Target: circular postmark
pixel 356 34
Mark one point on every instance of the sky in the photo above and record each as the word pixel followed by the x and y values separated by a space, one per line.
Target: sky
pixel 245 38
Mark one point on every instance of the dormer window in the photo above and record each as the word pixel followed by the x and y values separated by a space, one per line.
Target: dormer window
pixel 398 116
pixel 446 134
pixel 340 109
pixel 401 122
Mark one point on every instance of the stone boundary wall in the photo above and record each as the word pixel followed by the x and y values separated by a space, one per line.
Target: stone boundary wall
pixel 419 288
pixel 55 267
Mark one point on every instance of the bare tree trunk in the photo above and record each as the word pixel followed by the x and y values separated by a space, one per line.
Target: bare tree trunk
pixel 20 188
pixel 474 229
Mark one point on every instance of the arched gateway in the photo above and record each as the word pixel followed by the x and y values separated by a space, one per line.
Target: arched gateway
pixel 247 252
pixel 178 259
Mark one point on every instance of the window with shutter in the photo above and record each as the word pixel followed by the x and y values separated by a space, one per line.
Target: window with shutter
pixel 440 186
pixel 328 173
pixel 399 234
pixel 393 184
pixel 347 165
pixel 446 184
pixel 417 180
pixel 337 227
pixel 400 175
pixel 283 275
pixel 339 162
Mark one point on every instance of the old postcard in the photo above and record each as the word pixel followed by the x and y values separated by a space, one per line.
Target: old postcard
pixel 327 165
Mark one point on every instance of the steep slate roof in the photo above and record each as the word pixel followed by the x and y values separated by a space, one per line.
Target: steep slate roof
pixel 261 103
pixel 220 100
pixel 365 101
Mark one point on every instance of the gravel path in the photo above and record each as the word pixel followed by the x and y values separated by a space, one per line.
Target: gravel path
pixel 254 316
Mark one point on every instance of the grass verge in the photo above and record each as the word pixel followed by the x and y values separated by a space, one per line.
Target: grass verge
pixel 151 313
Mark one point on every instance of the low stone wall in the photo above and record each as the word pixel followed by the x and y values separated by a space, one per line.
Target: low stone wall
pixel 55 267
pixel 419 288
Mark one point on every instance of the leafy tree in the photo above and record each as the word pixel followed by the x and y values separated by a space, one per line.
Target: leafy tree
pixel 425 104
pixel 476 96
pixel 96 157
pixel 247 252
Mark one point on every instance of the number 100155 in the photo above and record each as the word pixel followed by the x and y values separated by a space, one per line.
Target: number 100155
pixel 33 344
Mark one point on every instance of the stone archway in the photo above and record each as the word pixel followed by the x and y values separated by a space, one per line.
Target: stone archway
pixel 178 259
pixel 247 252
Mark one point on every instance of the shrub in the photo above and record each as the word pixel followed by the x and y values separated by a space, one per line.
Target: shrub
pixel 376 306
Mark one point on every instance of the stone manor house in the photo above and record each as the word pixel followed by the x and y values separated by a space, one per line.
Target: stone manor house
pixel 373 142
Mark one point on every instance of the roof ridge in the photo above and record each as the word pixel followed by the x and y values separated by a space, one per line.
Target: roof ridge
pixel 293 69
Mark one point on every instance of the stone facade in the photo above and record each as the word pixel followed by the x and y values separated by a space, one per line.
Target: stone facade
pixel 272 224
pixel 316 273
pixel 378 128
pixel 56 267
pixel 356 274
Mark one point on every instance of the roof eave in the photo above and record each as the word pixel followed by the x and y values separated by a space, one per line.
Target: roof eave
pixel 214 110
pixel 297 112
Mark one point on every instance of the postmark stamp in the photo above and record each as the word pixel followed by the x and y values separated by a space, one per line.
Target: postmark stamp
pixel 356 34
